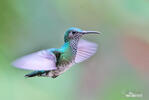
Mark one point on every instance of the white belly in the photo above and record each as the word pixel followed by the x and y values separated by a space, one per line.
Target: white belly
pixel 60 70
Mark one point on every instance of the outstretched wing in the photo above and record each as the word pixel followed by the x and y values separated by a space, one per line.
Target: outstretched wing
pixel 85 50
pixel 41 60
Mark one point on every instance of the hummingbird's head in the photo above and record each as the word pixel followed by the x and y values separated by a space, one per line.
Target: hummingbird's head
pixel 76 33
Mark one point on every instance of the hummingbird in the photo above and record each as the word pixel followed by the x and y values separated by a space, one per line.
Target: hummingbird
pixel 55 61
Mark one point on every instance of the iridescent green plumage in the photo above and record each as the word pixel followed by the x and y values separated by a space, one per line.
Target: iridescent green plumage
pixel 64 56
pixel 73 51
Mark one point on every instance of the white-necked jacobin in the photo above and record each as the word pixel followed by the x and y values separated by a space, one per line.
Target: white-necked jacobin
pixel 53 62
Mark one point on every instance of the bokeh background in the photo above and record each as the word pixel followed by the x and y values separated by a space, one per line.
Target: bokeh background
pixel 120 66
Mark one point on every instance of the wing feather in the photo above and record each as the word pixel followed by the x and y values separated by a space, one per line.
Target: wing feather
pixel 85 50
pixel 41 60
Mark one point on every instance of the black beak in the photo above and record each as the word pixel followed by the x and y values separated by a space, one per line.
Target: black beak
pixel 90 32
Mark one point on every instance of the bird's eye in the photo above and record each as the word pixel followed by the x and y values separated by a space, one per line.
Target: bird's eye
pixel 73 32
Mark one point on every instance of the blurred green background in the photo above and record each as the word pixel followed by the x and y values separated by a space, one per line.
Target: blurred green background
pixel 120 66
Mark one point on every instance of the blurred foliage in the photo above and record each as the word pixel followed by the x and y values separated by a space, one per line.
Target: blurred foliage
pixel 27 26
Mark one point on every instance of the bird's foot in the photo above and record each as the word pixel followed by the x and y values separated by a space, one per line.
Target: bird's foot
pixel 54 76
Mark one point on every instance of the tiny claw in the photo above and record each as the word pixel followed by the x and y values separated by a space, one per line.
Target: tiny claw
pixel 54 76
